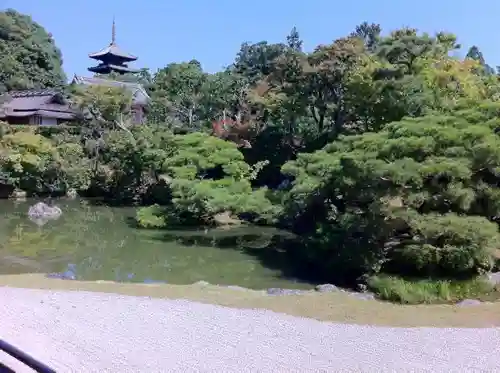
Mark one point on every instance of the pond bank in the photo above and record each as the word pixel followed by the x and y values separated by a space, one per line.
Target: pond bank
pixel 329 306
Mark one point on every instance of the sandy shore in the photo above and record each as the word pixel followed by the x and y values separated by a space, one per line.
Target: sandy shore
pixel 102 332
pixel 336 307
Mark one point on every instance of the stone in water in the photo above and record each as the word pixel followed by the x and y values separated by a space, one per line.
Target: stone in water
pixel 41 213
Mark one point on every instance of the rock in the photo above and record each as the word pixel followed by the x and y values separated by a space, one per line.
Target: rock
pixel 202 283
pixel 494 278
pixel 18 194
pixel 39 222
pixel 362 287
pixel 41 213
pixel 150 281
pixel 226 219
pixel 166 179
pixel 469 302
pixel 72 193
pixel 234 287
pixel 362 296
pixel 326 288
pixel 69 274
pixel 41 210
pixel 279 291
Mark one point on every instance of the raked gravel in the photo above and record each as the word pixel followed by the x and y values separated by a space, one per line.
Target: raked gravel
pixel 95 332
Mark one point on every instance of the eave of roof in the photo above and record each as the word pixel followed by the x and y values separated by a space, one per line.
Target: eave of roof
pixel 56 114
pixel 43 113
pixel 32 93
pixel 113 50
pixel 113 83
pixel 25 101
pixel 109 67
pixel 24 113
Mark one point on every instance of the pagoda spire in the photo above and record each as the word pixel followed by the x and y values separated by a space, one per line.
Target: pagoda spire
pixel 113 32
pixel 112 58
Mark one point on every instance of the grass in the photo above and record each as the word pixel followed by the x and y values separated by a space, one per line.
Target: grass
pixel 337 307
pixel 408 291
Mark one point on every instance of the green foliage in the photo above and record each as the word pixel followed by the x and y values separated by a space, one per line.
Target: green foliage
pixel 28 55
pixel 151 217
pixel 417 196
pixel 387 141
pixel 210 176
pixel 417 291
pixel 178 90
pixel 33 163
pixel 103 106
pixel 129 165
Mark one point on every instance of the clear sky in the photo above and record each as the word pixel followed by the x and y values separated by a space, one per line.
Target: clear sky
pixel 164 31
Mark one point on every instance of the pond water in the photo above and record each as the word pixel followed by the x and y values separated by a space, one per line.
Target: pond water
pixel 94 242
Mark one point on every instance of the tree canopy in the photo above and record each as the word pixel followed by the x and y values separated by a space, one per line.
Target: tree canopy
pixel 379 150
pixel 29 57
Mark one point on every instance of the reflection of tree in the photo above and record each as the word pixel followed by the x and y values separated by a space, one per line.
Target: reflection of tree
pixel 53 243
pixel 90 242
pixel 96 239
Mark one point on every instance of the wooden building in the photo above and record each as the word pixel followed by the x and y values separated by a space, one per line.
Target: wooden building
pixel 47 107
pixel 112 58
pixel 36 107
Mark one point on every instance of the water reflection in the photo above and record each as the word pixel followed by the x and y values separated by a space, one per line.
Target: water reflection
pixel 89 242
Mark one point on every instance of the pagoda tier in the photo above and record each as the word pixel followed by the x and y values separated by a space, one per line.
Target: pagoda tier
pixel 107 68
pixel 112 58
pixel 113 53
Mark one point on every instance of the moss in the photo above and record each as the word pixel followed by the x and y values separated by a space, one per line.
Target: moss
pixel 410 291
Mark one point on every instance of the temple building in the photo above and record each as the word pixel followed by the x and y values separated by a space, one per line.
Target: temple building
pixel 36 107
pixel 112 58
pixel 51 108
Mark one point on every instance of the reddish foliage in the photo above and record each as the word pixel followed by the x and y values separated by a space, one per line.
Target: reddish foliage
pixel 222 128
pixel 228 129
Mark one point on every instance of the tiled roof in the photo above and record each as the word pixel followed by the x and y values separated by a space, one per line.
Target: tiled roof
pixel 106 68
pixel 140 95
pixel 33 93
pixel 24 113
pixel 29 102
pixel 57 114
pixel 113 50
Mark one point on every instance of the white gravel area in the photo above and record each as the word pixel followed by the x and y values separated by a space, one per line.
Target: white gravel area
pixel 97 332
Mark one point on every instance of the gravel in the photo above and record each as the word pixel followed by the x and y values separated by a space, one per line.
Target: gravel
pixel 95 332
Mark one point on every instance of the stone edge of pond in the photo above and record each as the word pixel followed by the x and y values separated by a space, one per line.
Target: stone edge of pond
pixel 323 288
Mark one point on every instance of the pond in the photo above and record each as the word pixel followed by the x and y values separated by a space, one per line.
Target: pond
pixel 94 242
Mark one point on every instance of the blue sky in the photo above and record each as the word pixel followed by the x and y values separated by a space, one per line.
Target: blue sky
pixel 160 32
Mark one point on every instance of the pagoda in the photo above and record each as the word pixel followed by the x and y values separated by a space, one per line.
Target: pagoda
pixel 112 58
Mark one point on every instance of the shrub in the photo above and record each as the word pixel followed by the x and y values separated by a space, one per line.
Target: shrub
pixel 415 291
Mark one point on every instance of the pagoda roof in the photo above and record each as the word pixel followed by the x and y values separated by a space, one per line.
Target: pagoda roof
pixel 112 50
pixel 107 68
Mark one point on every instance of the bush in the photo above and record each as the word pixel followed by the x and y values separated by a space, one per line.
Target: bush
pixel 421 197
pixel 35 164
pixel 415 291
pixel 150 217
